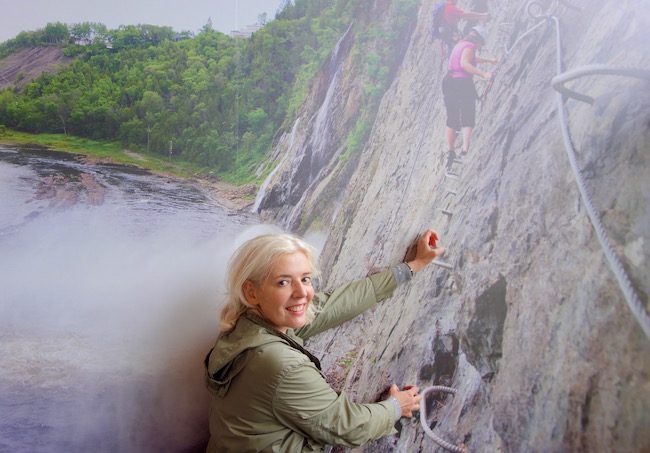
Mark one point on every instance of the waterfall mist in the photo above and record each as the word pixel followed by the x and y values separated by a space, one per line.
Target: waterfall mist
pixel 103 331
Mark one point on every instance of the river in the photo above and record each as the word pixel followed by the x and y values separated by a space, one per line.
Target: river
pixel 110 282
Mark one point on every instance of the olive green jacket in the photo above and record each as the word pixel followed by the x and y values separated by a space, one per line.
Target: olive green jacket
pixel 268 393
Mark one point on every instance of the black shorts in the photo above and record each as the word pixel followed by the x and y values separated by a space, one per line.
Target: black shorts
pixel 460 101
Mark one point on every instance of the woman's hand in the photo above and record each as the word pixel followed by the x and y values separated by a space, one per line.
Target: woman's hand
pixel 426 250
pixel 408 399
pixel 486 60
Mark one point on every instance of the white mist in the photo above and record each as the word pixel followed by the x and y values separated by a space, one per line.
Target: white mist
pixel 103 329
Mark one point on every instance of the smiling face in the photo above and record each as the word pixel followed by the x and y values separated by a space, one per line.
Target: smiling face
pixel 285 294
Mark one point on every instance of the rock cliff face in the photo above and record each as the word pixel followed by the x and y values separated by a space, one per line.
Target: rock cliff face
pixel 29 64
pixel 530 325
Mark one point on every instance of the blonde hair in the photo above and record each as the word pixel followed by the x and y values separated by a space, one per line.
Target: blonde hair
pixel 253 261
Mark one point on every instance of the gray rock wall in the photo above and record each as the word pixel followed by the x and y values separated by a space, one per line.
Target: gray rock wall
pixel 530 325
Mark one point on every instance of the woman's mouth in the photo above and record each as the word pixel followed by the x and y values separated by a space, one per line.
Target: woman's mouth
pixel 297 309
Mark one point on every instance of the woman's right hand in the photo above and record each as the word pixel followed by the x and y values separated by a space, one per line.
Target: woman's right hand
pixel 408 399
pixel 426 250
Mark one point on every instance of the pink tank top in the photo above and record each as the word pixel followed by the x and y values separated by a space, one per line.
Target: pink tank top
pixel 456 71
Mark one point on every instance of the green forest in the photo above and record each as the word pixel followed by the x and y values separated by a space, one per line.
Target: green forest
pixel 208 99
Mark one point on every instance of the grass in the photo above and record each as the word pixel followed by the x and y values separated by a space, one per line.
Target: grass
pixel 106 151
pixel 347 361
pixel 243 171
pixel 356 138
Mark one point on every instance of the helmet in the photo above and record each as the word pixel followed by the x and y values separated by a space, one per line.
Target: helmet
pixel 481 32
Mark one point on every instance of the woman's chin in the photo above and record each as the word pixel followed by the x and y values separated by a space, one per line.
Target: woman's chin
pixel 297 321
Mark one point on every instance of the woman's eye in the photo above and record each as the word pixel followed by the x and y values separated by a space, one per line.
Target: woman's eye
pixel 306 280
pixel 283 282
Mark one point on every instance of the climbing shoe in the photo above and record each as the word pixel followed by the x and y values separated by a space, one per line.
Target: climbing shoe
pixel 451 156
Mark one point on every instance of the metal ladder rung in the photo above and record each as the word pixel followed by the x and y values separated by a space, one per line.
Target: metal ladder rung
pixel 442 264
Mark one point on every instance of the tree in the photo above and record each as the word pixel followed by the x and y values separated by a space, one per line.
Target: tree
pixel 208 26
pixel 149 109
pixel 55 33
pixel 63 104
pixel 262 18
pixel 81 33
pixel 256 119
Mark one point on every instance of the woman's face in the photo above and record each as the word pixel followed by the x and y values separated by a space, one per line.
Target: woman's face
pixel 283 297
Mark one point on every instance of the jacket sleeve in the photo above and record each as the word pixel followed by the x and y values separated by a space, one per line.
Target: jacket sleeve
pixel 305 403
pixel 348 301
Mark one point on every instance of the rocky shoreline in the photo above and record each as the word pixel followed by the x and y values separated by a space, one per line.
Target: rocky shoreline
pixel 236 198
pixel 55 188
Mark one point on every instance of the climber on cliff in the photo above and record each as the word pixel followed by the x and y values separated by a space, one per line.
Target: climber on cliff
pixel 478 7
pixel 267 391
pixel 446 17
pixel 458 89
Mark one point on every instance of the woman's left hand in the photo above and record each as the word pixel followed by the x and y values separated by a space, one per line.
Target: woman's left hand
pixel 408 399
pixel 427 249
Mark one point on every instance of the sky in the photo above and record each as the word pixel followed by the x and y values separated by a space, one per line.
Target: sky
pixel 226 15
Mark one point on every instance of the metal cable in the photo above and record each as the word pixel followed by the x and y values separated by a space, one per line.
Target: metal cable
pixel 594 69
pixel 425 425
pixel 526 33
pixel 631 297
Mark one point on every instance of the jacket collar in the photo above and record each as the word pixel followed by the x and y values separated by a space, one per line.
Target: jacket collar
pixel 250 332
pixel 288 338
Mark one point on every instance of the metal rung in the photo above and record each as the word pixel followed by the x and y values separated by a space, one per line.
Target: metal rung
pixel 452 175
pixel 451 191
pixel 442 264
pixel 446 212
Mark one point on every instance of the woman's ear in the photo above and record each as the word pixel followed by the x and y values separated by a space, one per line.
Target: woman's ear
pixel 250 292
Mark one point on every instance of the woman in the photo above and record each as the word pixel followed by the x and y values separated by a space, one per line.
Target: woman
pixel 458 89
pixel 268 392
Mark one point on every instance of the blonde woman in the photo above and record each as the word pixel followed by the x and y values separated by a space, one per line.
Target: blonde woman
pixel 267 391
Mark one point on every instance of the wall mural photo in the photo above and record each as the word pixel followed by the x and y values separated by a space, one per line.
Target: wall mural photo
pixel 334 225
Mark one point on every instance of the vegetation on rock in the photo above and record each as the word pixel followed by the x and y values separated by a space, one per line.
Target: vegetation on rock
pixel 208 99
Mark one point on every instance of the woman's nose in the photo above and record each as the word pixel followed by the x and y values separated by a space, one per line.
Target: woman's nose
pixel 299 289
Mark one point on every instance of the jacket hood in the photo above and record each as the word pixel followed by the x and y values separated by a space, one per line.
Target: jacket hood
pixel 228 357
